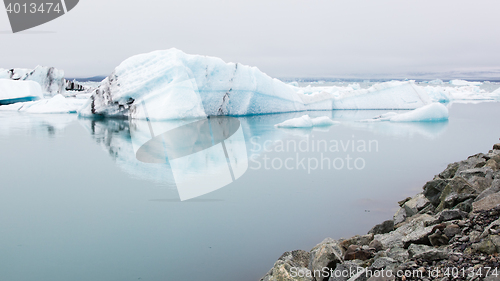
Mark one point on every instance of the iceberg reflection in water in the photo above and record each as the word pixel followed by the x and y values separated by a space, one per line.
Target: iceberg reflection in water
pixel 201 156
pixel 204 155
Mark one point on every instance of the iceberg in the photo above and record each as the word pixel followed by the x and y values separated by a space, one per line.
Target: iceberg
pixel 170 84
pixel 51 80
pixel 18 91
pixel 306 122
pixel 463 93
pixel 389 95
pixel 433 112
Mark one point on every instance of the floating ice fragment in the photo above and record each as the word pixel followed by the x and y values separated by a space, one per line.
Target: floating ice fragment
pixel 306 122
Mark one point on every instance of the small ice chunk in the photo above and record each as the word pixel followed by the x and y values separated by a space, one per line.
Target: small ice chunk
pixel 459 82
pixel 322 121
pixel 428 113
pixel 306 122
pixel 57 104
pixel 436 82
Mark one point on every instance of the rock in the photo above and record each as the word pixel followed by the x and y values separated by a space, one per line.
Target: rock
pixel 377 245
pixel 494 188
pixel 433 189
pixel 356 240
pixel 492 164
pixel 449 172
pixel 465 206
pixel 479 178
pixel 491 277
pixel 452 230
pixel 402 202
pixel 358 254
pixel 403 234
pixel 384 262
pixel 492 226
pixel 427 252
pixel 495 239
pixel 400 216
pixel 486 246
pixel 326 254
pixel 430 210
pixel 457 191
pixel 448 215
pixel 420 235
pixel 345 271
pixel 416 204
pixel 471 163
pixel 398 254
pixel 385 227
pixel 496 146
pixel 474 236
pixel 438 239
pixel 282 270
pixel 489 202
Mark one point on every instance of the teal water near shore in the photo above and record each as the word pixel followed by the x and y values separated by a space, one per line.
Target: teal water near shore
pixel 76 205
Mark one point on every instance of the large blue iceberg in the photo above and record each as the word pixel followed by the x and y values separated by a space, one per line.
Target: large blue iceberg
pixel 170 84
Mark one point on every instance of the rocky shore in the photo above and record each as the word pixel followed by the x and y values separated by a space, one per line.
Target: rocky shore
pixel 450 231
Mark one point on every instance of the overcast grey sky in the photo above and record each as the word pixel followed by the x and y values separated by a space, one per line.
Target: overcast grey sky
pixel 281 37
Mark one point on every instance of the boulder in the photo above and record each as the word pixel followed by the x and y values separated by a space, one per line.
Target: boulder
pixel 474 161
pixel 479 178
pixel 457 191
pixel 465 206
pixel 384 262
pixel 496 146
pixel 433 189
pixel 494 188
pixel 409 231
pixel 449 172
pixel 398 254
pixel 358 240
pixel 290 266
pixel 486 246
pixel 385 227
pixel 492 164
pixel 347 270
pixel 400 216
pixel 438 239
pixel 420 235
pixel 427 252
pixel 492 226
pixel 377 245
pixel 326 254
pixel 452 230
pixel 414 205
pixel 489 202
pixel 448 215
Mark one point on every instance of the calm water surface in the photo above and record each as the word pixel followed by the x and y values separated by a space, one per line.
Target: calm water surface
pixel 76 204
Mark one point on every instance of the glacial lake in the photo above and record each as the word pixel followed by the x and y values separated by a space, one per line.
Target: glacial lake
pixel 77 204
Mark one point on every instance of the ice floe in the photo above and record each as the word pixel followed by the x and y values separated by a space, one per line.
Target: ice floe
pixel 306 122
pixel 434 112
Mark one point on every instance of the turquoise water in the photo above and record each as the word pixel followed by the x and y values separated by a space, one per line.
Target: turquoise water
pixel 76 204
